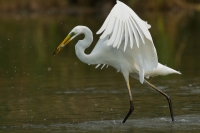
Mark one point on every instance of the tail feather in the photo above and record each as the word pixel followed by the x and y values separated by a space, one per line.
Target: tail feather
pixel 161 70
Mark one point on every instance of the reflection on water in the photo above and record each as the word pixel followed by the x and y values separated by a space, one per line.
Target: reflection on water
pixel 40 92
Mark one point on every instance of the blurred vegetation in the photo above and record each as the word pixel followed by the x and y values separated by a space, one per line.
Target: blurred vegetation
pixel 28 67
pixel 35 85
pixel 40 35
pixel 91 6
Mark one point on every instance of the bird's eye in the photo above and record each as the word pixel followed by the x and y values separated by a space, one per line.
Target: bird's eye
pixel 72 34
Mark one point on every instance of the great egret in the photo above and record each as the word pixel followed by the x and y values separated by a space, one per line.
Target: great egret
pixel 138 59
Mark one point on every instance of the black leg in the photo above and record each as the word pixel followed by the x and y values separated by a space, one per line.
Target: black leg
pixel 164 94
pixel 131 104
pixel 130 111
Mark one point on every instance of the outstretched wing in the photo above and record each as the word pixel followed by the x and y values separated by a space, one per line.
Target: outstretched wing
pixel 123 22
pixel 124 27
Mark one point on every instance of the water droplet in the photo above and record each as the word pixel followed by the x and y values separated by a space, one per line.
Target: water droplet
pixel 49 68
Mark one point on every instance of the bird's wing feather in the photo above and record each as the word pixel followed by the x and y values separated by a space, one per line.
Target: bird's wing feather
pixel 121 19
pixel 123 28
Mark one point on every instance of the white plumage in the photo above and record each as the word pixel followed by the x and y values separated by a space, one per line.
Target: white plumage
pixel 124 20
pixel 125 44
pixel 124 27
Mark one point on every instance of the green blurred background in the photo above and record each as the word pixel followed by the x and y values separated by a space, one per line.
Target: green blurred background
pixel 91 6
pixel 35 86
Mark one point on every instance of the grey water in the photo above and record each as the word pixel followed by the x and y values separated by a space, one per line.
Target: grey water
pixel 44 93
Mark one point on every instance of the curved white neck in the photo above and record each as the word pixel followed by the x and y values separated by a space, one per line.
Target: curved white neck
pixel 83 44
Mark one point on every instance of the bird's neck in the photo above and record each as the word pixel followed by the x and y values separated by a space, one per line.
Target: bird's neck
pixel 83 44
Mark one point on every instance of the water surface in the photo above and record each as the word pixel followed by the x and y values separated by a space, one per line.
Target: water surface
pixel 43 93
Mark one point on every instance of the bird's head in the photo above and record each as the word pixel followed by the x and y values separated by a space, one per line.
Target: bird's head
pixel 74 32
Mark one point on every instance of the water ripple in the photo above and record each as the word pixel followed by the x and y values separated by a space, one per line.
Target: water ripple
pixel 182 123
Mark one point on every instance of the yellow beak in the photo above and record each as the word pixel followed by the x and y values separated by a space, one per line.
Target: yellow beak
pixel 63 44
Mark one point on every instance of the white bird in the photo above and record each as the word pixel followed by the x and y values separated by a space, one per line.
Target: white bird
pixel 126 45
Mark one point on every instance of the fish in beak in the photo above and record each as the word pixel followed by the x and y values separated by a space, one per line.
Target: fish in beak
pixel 69 37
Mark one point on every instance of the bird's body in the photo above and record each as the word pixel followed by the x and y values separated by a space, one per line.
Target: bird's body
pixel 116 58
pixel 126 45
